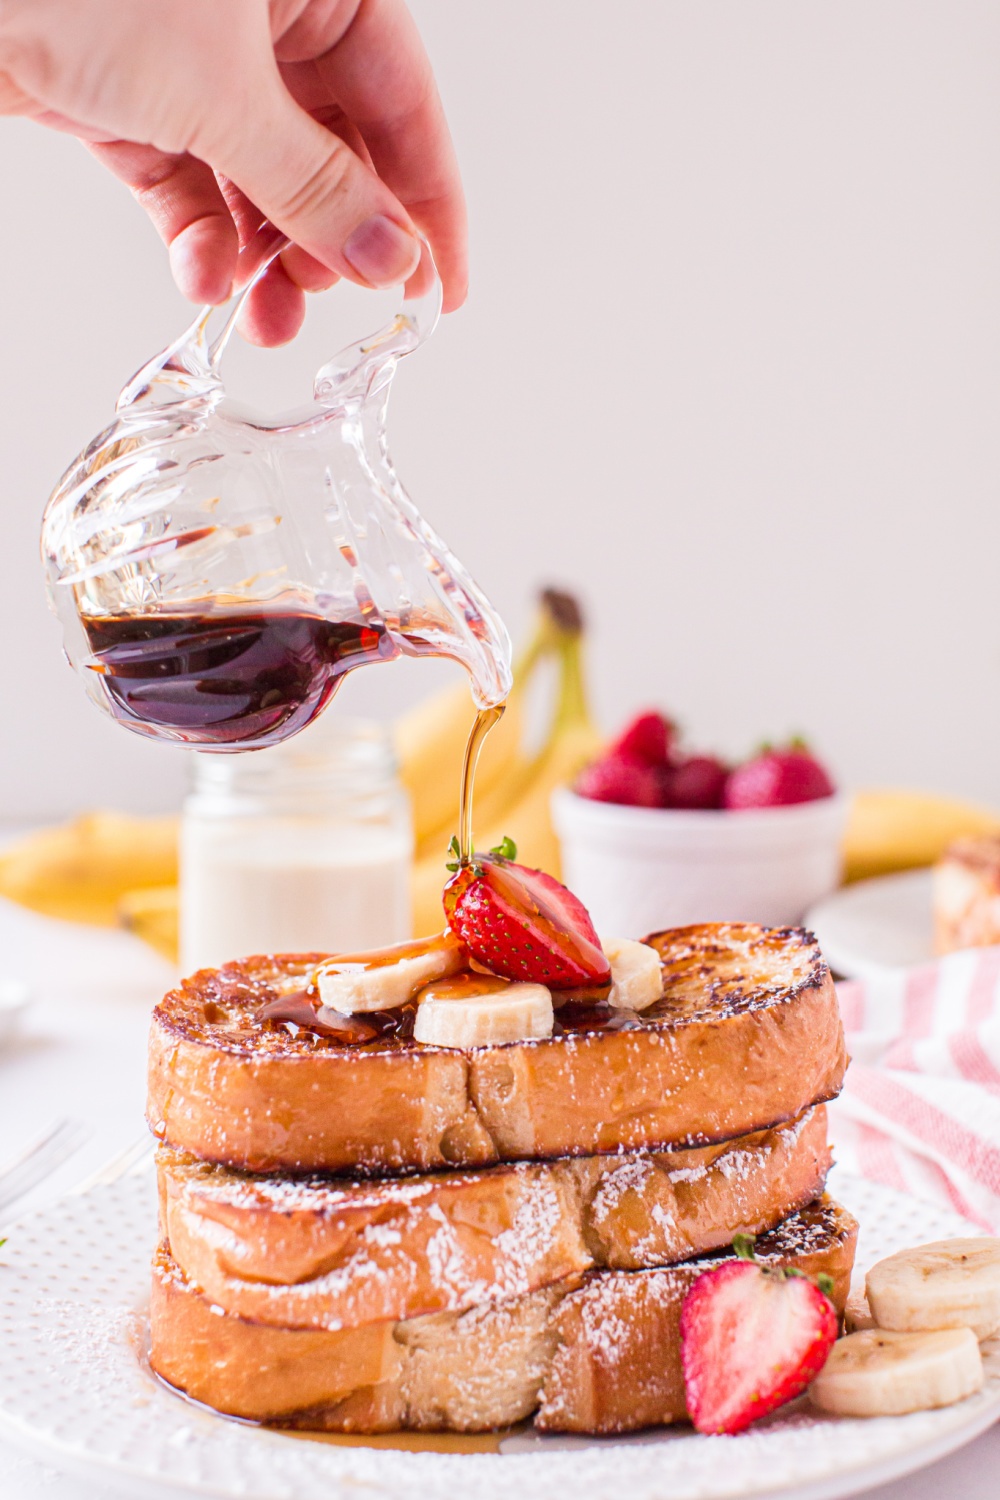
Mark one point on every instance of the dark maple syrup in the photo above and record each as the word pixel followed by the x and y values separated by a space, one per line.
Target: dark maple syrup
pixel 229 677
pixel 304 1009
pixel 394 1027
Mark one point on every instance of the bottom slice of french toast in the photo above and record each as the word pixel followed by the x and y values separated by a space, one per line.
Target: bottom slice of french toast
pixel 596 1352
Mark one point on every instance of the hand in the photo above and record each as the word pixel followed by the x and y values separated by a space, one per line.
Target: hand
pixel 320 115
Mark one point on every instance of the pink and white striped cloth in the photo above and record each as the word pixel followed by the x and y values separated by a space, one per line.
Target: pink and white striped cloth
pixel 920 1109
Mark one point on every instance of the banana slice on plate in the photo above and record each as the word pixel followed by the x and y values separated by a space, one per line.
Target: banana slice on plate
pixel 356 983
pixel 947 1284
pixel 857 1313
pixel 477 1010
pixel 636 974
pixel 879 1373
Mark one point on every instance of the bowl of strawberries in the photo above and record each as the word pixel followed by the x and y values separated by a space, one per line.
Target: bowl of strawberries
pixel 654 836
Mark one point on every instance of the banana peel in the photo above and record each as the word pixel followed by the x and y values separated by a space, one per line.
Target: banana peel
pixel 80 871
pixel 891 830
pixel 153 914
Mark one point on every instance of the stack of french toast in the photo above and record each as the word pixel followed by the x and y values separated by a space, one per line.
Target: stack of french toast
pixel 370 1224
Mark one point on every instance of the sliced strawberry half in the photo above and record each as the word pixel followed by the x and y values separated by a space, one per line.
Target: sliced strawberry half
pixel 523 924
pixel 752 1338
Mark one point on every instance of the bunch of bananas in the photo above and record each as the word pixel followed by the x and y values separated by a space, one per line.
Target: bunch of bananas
pixel 891 830
pixel 81 870
pixel 108 868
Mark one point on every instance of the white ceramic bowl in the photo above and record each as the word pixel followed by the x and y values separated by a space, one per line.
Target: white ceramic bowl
pixel 638 869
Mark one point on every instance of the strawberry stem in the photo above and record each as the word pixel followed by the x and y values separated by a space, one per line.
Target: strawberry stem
pixel 743 1246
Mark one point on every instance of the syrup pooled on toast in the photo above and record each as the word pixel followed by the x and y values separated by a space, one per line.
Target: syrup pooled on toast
pixel 227 678
pixel 305 1009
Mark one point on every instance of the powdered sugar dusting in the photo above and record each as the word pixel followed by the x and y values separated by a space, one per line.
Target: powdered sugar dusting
pixel 337 1253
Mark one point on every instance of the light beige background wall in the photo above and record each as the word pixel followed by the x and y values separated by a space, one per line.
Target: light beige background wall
pixel 730 367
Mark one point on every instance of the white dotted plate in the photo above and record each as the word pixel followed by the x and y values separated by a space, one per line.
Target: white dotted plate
pixel 74 1389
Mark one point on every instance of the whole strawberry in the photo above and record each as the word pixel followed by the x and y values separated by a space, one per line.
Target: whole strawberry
pixel 649 737
pixel 521 923
pixel 622 778
pixel 776 778
pixel 752 1338
pixel 697 782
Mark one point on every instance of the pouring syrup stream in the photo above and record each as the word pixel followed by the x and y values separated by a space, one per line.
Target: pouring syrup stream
pixel 484 722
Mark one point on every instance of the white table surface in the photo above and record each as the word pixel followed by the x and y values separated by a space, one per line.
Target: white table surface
pixel 82 1055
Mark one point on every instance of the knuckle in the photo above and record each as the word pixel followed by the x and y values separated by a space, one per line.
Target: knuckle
pixel 157 179
pixel 323 189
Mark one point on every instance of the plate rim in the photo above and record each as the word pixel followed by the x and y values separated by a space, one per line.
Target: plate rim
pixel 961 1426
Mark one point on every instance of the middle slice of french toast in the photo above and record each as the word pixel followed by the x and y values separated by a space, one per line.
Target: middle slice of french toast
pixel 335 1254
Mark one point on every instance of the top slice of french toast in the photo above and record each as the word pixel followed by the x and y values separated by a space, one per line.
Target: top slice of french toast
pixel 746 1034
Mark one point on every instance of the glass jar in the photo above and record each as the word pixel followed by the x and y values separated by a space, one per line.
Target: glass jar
pixel 306 847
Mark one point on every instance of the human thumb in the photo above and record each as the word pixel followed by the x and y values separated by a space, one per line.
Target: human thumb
pixel 319 193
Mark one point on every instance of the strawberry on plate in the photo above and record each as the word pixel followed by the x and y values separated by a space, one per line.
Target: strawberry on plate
pixel 521 923
pixel 777 778
pixel 752 1338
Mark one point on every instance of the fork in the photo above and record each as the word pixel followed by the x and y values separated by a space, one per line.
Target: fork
pixel 132 1161
pixel 40 1158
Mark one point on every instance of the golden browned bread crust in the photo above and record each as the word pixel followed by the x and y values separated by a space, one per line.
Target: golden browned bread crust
pixel 747 1035
pixel 322 1253
pixel 597 1353
pixel 966 898
pixel 616 1364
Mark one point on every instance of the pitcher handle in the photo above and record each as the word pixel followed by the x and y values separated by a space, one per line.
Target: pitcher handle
pixel 189 367
pixel 354 371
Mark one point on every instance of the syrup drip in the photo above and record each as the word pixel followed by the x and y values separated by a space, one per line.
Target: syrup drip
pixel 413 1442
pixel 382 958
pixel 484 722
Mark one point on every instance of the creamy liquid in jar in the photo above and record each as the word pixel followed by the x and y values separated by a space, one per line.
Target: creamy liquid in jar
pixel 303 848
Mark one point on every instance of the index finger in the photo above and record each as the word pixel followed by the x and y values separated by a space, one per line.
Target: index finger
pixel 378 72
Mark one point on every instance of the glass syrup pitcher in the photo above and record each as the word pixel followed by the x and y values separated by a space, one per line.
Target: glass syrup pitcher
pixel 217 572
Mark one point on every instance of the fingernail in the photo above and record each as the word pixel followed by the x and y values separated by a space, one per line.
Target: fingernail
pixel 381 252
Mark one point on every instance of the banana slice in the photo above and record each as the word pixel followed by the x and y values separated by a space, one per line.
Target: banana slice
pixel 636 975
pixel 857 1313
pixel 387 977
pixel 477 1010
pixel 947 1284
pixel 878 1373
